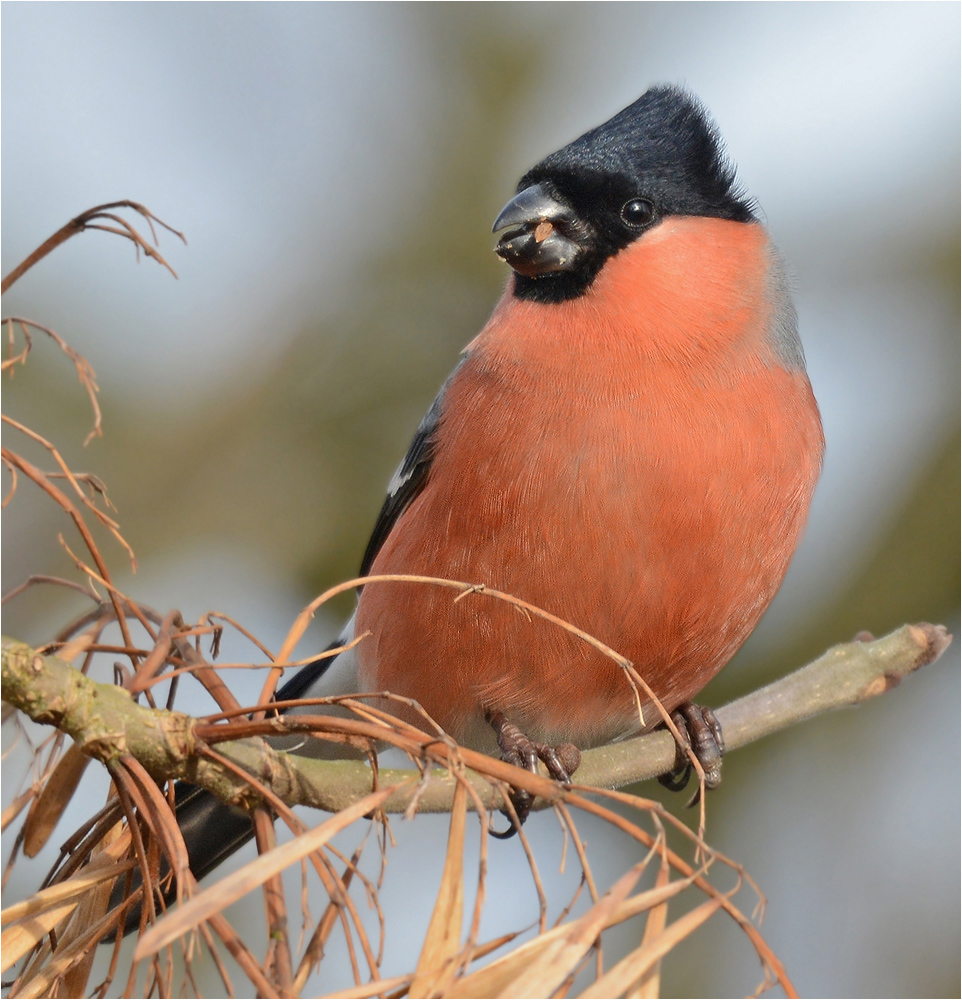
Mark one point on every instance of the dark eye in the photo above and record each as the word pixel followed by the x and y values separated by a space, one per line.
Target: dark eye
pixel 637 212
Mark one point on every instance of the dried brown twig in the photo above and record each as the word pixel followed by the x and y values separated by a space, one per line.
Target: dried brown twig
pixel 85 372
pixel 91 220
pixel 858 670
pixel 17 464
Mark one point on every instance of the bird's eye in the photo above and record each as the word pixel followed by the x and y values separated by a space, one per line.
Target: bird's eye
pixel 637 212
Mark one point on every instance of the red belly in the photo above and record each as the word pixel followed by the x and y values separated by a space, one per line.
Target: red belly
pixel 668 555
pixel 644 479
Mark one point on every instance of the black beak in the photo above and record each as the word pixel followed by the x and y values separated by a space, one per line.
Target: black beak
pixel 543 234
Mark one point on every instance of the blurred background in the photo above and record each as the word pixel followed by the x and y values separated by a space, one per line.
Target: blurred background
pixel 336 169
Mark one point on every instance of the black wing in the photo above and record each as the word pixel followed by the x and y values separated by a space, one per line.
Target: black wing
pixel 405 485
pixel 410 478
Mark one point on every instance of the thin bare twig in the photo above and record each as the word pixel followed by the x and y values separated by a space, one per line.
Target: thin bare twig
pixel 85 221
pixel 85 372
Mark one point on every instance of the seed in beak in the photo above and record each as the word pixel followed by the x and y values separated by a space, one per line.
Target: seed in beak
pixel 543 231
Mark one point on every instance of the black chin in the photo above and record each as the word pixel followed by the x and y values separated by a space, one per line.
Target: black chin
pixel 558 286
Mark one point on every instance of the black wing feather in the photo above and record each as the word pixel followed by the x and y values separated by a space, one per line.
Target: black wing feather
pixel 407 483
pixel 410 478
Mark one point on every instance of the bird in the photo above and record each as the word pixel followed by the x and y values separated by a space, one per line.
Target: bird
pixel 630 443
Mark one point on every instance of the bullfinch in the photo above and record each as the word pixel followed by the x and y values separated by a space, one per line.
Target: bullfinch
pixel 630 443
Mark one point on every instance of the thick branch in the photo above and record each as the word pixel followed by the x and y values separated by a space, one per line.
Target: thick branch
pixel 105 722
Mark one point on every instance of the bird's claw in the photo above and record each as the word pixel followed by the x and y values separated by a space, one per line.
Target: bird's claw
pixel 703 736
pixel 561 762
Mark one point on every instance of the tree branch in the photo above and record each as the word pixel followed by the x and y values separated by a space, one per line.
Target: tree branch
pixel 106 723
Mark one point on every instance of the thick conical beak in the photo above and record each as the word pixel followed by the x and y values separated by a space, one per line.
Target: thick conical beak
pixel 540 230
pixel 532 204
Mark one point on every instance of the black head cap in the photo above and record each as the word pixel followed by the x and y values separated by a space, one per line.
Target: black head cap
pixel 661 156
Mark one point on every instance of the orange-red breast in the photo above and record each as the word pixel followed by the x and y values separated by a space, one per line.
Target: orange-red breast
pixel 630 443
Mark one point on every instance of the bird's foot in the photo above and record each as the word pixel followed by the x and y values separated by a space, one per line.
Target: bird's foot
pixel 703 736
pixel 561 761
